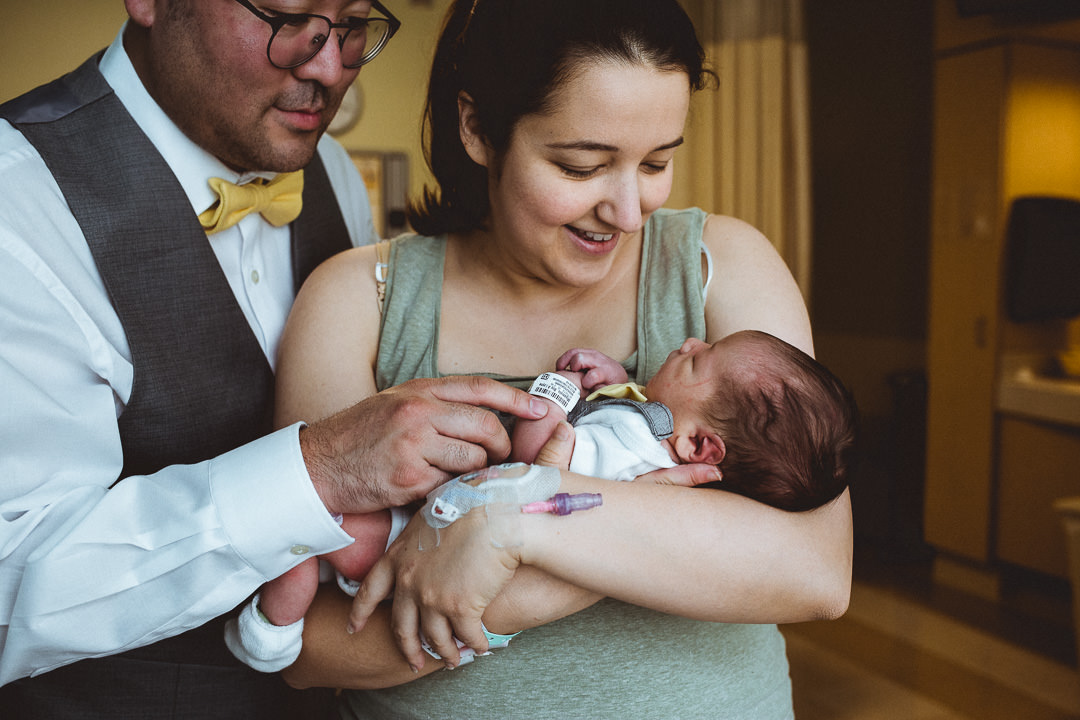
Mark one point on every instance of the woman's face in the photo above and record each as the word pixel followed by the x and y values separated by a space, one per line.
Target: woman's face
pixel 576 182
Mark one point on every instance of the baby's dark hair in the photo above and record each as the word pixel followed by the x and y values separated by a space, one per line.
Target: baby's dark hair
pixel 790 428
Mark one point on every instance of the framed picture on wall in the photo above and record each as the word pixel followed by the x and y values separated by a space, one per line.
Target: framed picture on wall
pixel 386 177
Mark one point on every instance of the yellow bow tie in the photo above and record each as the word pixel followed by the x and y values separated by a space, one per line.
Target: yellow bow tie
pixel 278 201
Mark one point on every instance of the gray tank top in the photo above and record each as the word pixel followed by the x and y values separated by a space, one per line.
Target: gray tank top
pixel 612 660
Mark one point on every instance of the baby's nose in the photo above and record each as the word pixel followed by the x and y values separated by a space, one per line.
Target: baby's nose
pixel 690 345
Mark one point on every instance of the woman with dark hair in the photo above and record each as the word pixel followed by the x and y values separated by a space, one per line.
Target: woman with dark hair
pixel 551 129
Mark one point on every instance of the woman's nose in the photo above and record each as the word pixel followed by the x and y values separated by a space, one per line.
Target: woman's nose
pixel 622 208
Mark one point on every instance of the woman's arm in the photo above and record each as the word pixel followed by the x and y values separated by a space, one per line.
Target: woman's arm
pixel 326 358
pixel 695 552
pixel 750 562
pixel 364 660
pixel 703 554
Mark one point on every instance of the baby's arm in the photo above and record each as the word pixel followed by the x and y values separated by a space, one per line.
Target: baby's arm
pixel 587 370
pixel 531 435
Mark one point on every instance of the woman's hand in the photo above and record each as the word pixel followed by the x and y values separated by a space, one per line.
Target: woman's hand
pixel 443 589
pixel 688 475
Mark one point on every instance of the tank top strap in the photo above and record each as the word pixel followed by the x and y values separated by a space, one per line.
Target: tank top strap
pixel 412 307
pixel 670 301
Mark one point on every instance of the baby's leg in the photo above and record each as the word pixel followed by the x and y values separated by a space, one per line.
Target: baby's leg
pixel 371 532
pixel 285 600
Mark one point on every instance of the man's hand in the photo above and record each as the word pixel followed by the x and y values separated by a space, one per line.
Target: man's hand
pixel 396 446
pixel 597 369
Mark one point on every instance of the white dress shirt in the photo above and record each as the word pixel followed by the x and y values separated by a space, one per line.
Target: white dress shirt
pixel 88 571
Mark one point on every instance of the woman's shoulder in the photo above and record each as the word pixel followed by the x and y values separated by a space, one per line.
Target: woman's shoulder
pixel 354 265
pixel 720 228
pixel 724 236
pixel 735 242
pixel 752 287
pixel 341 283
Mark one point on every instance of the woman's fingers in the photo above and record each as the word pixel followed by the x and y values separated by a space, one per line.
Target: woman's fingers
pixel 405 627
pixel 688 475
pixel 376 587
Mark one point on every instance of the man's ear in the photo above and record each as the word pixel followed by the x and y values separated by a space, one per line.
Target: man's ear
pixel 469 128
pixel 708 448
pixel 141 12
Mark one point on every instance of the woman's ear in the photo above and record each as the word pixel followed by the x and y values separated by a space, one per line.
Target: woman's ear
pixel 708 448
pixel 469 128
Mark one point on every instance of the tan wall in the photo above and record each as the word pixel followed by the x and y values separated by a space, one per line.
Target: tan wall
pixel 42 40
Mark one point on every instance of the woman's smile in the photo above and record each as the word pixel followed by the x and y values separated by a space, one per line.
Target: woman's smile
pixel 594 242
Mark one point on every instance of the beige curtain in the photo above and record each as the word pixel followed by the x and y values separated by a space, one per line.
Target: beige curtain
pixel 748 142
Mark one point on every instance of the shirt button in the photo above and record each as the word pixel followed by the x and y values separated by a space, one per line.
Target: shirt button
pixel 300 550
pixel 255 277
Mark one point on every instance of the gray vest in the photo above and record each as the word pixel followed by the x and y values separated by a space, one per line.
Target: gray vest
pixel 202 385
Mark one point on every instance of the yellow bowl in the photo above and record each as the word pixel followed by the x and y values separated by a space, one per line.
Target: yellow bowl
pixel 1070 362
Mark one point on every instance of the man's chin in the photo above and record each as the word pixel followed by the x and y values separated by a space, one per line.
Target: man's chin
pixel 280 157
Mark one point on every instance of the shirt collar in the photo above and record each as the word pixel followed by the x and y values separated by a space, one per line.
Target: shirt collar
pixel 192 165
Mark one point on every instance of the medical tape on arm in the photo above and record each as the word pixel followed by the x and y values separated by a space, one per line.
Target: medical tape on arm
pixel 501 490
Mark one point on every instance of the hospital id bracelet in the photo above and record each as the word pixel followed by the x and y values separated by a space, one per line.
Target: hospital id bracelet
pixel 557 389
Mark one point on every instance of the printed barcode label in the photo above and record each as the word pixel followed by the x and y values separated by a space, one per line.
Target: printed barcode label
pixel 557 389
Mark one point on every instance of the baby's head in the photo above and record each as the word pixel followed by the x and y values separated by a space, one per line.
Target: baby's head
pixel 780 426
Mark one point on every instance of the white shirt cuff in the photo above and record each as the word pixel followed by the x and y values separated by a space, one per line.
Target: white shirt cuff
pixel 268 506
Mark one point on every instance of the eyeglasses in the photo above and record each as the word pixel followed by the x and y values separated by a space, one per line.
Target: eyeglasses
pixel 296 38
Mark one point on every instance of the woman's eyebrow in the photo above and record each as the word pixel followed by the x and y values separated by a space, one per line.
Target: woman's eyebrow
pixel 590 146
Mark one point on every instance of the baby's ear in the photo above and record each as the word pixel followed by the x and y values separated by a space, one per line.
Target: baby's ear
pixel 708 448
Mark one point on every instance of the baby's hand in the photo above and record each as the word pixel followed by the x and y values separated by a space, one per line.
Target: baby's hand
pixel 597 368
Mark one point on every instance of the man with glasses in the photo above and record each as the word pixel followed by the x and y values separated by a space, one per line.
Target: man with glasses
pixel 153 232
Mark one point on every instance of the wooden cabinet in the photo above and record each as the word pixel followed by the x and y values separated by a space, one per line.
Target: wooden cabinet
pixel 1006 123
pixel 964 286
pixel 1038 463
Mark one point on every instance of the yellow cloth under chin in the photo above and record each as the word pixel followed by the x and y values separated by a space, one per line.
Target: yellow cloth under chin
pixel 622 391
pixel 278 201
